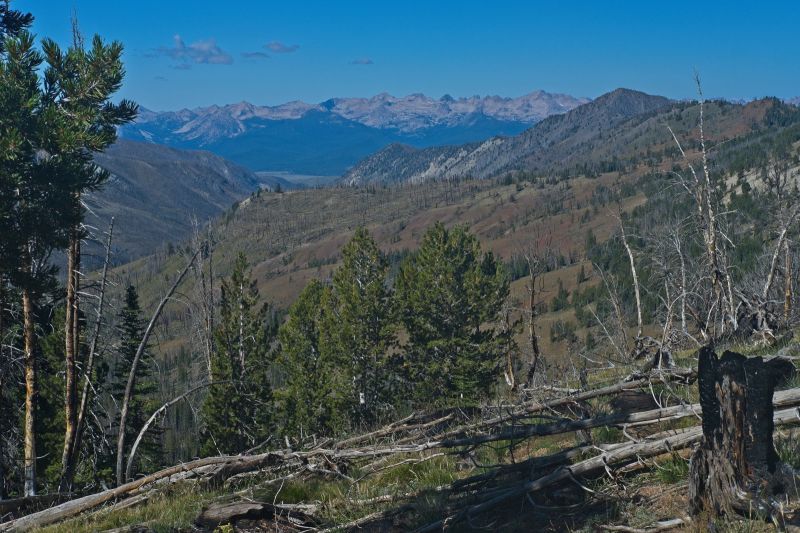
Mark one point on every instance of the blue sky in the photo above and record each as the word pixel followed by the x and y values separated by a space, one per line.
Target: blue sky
pixel 192 53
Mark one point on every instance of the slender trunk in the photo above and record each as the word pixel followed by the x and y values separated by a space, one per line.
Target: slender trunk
pixel 71 334
pixel 69 471
pixel 788 288
pixel 684 328
pixel 511 380
pixel 149 422
pixel 123 417
pixel 210 302
pixel 532 336
pixel 2 383
pixel 781 245
pixel 635 284
pixel 241 331
pixel 30 390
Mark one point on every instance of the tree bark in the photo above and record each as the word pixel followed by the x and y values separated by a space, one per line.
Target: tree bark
pixel 533 337
pixel 788 286
pixel 30 391
pixel 68 470
pixel 635 283
pixel 2 382
pixel 71 336
pixel 736 468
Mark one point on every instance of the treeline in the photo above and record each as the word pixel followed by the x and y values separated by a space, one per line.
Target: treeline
pixel 358 350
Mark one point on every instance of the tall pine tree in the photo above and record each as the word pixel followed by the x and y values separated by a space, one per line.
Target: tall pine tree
pixel 144 401
pixel 363 326
pixel 237 412
pixel 450 295
pixel 316 391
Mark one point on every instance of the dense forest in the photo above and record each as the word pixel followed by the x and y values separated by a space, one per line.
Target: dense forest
pixel 682 246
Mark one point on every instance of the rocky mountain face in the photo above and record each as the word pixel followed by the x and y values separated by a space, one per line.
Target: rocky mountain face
pixel 555 139
pixel 329 137
pixel 154 191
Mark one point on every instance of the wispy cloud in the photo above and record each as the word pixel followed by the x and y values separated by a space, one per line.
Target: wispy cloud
pixel 280 48
pixel 199 52
pixel 160 78
pixel 362 61
pixel 255 55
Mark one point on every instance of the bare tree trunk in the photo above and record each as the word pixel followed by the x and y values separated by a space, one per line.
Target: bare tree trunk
pixel 31 391
pixel 134 365
pixel 68 470
pixel 635 282
pixel 735 469
pixel 241 330
pixel 206 288
pixel 788 287
pixel 2 381
pixel 71 336
pixel 533 337
pixel 703 193
pixel 162 409
pixel 511 379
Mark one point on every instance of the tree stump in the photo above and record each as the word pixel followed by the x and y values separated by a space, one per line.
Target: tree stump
pixel 736 470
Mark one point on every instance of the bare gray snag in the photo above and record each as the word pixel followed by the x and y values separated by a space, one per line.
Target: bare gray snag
pixel 68 468
pixel 135 364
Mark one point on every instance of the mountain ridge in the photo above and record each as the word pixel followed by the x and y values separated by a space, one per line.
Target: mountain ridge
pixel 490 157
pixel 330 137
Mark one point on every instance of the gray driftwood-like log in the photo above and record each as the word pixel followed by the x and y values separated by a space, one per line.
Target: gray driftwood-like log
pixel 736 469
pixel 221 513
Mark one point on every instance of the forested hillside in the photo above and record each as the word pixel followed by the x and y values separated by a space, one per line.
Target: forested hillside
pixel 589 325
pixel 294 237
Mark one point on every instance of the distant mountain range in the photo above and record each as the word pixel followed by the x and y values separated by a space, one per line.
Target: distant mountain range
pixel 329 137
pixel 554 140
pixel 155 190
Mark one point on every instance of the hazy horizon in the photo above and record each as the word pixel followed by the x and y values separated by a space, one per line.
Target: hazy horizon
pixel 194 55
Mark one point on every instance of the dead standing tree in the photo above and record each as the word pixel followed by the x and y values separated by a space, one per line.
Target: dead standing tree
pixel 538 255
pixel 703 188
pixel 134 365
pixel 70 461
pixel 204 273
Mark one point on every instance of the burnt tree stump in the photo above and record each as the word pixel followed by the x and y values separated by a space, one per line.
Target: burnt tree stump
pixel 736 470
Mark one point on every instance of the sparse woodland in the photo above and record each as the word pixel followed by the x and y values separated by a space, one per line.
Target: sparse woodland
pixel 428 364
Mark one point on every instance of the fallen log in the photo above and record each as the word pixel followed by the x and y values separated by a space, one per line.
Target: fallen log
pixel 686 375
pixel 220 513
pixel 217 469
pixel 598 464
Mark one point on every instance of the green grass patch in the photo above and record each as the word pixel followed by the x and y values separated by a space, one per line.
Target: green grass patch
pixel 674 470
pixel 169 510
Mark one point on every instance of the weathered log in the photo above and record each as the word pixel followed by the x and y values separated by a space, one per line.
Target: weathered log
pixel 220 513
pixel 735 470
pixel 620 453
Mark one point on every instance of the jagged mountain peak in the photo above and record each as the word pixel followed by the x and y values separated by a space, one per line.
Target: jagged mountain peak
pixel 330 136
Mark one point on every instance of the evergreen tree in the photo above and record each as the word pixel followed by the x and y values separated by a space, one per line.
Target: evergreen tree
pixel 362 328
pixel 450 296
pixel 32 202
pixel 237 412
pixel 312 401
pixel 143 402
